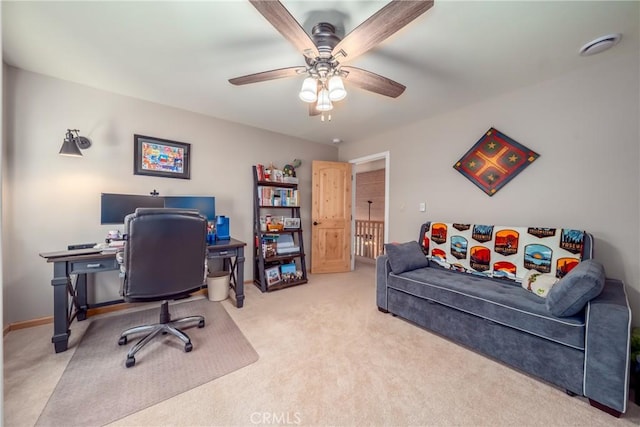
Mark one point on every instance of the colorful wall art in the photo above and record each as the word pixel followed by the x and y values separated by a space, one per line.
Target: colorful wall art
pixel 494 160
pixel 161 157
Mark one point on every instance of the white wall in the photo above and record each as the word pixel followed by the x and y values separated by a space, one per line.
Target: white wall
pixel 584 125
pixel 54 200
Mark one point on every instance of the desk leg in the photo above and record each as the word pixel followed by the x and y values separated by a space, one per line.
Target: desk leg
pixel 81 295
pixel 60 283
pixel 240 278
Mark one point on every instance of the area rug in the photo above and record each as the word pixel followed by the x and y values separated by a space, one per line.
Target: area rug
pixel 96 388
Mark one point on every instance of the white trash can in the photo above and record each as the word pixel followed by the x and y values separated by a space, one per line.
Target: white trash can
pixel 218 285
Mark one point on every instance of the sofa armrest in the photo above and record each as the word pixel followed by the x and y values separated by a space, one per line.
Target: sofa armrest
pixel 608 317
pixel 382 272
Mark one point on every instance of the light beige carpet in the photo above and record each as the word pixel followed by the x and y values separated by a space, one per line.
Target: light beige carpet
pixel 328 357
pixel 96 388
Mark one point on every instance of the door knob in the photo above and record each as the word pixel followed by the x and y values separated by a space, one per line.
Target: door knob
pixel 315 223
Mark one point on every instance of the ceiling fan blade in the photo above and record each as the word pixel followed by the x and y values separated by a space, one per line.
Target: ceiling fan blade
pixel 286 24
pixel 268 75
pixel 373 82
pixel 380 26
pixel 312 110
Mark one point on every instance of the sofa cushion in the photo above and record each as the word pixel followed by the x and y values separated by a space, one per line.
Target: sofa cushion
pixel 576 289
pixel 497 301
pixel 405 256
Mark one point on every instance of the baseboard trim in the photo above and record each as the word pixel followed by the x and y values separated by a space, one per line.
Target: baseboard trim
pixel 91 312
pixel 26 324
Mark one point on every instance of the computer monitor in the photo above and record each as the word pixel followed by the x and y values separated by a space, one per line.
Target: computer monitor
pixel 206 205
pixel 114 207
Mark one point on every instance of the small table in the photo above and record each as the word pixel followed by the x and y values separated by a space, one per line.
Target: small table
pixel 232 253
pixel 88 261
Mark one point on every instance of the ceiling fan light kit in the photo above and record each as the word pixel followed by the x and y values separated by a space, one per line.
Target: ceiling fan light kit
pixel 324 103
pixel 324 52
pixel 337 91
pixel 308 91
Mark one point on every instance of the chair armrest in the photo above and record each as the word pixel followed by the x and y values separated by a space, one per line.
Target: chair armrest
pixel 608 318
pixel 382 271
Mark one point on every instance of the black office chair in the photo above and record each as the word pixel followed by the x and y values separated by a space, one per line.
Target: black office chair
pixel 164 258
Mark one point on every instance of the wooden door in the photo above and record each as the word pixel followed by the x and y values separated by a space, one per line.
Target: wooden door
pixel 331 217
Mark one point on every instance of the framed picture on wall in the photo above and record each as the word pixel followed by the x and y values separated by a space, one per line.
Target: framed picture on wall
pixel 292 223
pixel 161 157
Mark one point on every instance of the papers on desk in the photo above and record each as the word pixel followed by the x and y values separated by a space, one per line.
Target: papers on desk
pixel 111 247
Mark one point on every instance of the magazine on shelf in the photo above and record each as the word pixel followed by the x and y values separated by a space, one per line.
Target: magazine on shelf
pixel 285 245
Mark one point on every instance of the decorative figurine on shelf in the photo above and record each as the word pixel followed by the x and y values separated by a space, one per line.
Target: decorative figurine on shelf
pixel 289 170
pixel 295 164
pixel 269 174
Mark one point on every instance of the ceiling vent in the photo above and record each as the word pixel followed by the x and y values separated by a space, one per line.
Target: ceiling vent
pixel 600 44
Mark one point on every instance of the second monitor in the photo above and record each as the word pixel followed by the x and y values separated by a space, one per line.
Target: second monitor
pixel 206 205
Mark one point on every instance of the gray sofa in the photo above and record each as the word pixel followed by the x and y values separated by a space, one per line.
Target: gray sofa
pixel 583 348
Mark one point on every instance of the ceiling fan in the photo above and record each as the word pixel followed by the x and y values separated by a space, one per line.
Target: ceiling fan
pixel 324 52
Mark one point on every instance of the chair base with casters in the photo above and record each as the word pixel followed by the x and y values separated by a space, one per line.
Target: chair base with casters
pixel 165 326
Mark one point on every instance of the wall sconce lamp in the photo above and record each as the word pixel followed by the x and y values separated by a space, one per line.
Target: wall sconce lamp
pixel 72 144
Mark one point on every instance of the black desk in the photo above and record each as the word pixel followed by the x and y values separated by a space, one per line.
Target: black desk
pixel 66 263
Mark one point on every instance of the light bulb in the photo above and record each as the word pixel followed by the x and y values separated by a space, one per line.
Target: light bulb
pixel 337 91
pixel 308 90
pixel 324 103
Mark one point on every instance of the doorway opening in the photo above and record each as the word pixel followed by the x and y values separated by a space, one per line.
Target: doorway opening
pixel 370 207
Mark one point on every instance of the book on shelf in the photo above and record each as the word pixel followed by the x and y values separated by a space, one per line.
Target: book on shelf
pixel 260 172
pixel 269 250
pixel 269 246
pixel 274 196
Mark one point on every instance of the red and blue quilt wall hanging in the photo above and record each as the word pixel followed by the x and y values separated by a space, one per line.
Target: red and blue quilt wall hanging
pixel 494 161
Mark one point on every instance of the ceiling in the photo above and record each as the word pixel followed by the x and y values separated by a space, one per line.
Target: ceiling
pixel 183 53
